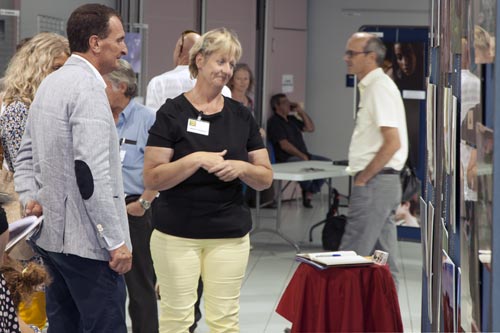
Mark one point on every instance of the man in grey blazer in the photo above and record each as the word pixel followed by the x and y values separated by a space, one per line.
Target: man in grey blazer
pixel 68 169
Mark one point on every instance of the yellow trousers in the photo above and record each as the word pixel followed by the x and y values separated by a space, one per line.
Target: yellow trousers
pixel 178 264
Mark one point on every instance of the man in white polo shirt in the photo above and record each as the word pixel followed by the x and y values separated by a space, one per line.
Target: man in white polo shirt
pixel 377 153
pixel 178 80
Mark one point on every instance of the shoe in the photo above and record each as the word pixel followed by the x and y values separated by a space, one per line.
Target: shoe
pixel 306 202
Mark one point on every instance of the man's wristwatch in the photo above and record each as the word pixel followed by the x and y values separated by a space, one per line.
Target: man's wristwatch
pixel 145 204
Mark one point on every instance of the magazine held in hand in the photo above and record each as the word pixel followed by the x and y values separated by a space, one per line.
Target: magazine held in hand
pixel 22 229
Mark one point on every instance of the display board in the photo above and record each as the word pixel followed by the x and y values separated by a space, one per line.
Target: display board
pixel 459 169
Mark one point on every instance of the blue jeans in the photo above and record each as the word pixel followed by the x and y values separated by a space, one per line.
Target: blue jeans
pixel 85 295
pixel 312 186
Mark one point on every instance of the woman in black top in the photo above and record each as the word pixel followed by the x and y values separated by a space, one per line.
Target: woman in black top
pixel 200 150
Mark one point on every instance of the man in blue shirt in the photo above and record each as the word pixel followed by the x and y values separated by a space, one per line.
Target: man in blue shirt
pixel 133 122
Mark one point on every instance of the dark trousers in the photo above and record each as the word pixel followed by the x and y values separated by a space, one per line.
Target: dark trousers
pixel 85 295
pixel 141 279
pixel 311 186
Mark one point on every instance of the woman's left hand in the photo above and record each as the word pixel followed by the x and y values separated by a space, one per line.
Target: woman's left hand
pixel 228 170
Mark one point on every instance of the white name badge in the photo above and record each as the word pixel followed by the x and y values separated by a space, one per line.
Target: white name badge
pixel 198 126
pixel 122 155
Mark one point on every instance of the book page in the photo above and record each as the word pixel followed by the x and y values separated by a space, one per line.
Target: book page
pixel 312 256
pixel 21 229
pixel 343 260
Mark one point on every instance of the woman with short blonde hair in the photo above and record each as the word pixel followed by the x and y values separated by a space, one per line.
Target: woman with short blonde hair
pixel 218 40
pixel 201 149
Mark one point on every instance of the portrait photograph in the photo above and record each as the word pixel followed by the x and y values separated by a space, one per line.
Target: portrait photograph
pixel 483 173
pixel 448 293
pixel 484 31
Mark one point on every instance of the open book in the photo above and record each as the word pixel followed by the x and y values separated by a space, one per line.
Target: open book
pixel 22 229
pixel 337 258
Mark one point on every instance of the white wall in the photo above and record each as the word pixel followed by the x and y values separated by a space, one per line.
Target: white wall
pixel 328 100
pixel 54 8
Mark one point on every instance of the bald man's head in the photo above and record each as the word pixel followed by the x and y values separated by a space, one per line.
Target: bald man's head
pixel 372 44
pixel 182 47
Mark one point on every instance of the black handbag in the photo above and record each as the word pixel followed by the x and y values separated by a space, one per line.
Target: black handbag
pixel 409 182
pixel 333 232
pixel 334 227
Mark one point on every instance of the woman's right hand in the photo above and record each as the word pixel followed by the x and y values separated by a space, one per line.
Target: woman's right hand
pixel 208 160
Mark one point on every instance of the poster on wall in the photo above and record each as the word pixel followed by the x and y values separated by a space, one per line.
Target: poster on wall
pixel 134 46
pixel 470 290
pixel 453 169
pixel 484 31
pixel 429 235
pixel 448 293
pixel 482 171
pixel 423 231
pixel 430 130
pixel 447 105
pixel 404 63
pixel 469 310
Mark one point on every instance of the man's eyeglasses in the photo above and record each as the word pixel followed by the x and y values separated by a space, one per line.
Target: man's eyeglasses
pixel 183 34
pixel 351 53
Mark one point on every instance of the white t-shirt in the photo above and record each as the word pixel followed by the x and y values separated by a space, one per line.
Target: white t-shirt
pixel 380 105
pixel 171 84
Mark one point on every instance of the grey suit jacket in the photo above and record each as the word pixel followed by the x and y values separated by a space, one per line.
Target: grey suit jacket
pixel 69 162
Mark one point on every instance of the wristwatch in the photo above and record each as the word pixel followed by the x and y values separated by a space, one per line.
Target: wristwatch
pixel 144 203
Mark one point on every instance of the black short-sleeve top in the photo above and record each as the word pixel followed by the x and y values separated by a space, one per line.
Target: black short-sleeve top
pixel 280 129
pixel 202 206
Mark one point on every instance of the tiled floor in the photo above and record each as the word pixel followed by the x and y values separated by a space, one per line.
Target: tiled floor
pixel 272 265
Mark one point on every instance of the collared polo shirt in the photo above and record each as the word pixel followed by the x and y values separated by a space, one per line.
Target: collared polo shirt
pixel 380 105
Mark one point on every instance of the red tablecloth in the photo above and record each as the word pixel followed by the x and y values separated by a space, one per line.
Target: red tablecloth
pixel 341 299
